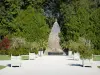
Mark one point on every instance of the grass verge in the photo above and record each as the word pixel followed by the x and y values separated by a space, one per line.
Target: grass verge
pixel 2 67
pixel 96 58
pixel 98 67
pixel 25 57
pixel 5 57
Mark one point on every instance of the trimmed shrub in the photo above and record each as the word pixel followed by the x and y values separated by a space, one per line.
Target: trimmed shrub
pixel 34 50
pixel 3 52
pixel 96 52
pixel 23 51
pixel 14 52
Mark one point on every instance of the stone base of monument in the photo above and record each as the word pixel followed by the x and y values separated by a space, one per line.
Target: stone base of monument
pixel 55 53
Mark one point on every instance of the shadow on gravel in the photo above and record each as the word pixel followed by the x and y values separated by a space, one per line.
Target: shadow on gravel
pixel 70 59
pixel 9 65
pixel 80 65
pixel 75 65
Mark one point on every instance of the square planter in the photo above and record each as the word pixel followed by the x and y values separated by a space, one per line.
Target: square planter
pixel 87 62
pixel 36 55
pixel 76 56
pixel 40 53
pixel 70 54
pixel 16 61
pixel 31 56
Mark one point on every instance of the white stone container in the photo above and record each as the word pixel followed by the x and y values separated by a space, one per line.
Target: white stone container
pixel 76 56
pixel 87 62
pixel 36 55
pixel 40 53
pixel 15 61
pixel 31 56
pixel 70 54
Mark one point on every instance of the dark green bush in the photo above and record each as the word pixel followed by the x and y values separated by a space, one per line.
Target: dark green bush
pixel 3 52
pixel 85 53
pixel 23 51
pixel 96 52
pixel 34 51
pixel 14 52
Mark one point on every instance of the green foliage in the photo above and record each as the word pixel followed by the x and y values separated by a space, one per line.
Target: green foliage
pixel 81 18
pixel 77 18
pixel 31 25
pixel 23 18
pixel 85 52
pixel 73 46
pixel 23 51
pixel 96 52
pixel 4 52
pixel 34 50
pixel 14 52
pixel 81 46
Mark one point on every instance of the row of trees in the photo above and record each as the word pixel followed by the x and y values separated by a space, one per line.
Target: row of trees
pixel 23 19
pixel 81 19
pixel 77 19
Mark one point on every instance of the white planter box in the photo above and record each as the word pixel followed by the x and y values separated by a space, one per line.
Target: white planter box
pixel 76 56
pixel 31 56
pixel 87 62
pixel 40 53
pixel 36 55
pixel 70 54
pixel 16 61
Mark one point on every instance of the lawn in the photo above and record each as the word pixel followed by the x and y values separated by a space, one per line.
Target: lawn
pixel 98 66
pixel 5 57
pixel 26 57
pixel 1 67
pixel 96 58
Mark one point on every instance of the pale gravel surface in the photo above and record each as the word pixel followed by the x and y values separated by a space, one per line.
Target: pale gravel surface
pixel 50 65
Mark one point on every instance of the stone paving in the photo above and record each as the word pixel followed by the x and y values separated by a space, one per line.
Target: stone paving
pixel 50 65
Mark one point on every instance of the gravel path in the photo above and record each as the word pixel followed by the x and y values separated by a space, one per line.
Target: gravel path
pixel 50 65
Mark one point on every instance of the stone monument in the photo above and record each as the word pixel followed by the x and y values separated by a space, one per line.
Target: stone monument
pixel 53 41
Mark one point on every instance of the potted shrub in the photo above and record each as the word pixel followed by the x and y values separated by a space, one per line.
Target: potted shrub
pixel 40 53
pixel 32 54
pixel 24 52
pixel 86 56
pixel 70 53
pixel 36 53
pixel 15 58
pixel 73 46
pixel 76 56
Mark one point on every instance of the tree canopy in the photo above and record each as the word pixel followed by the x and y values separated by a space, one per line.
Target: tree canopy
pixel 81 19
pixel 32 20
